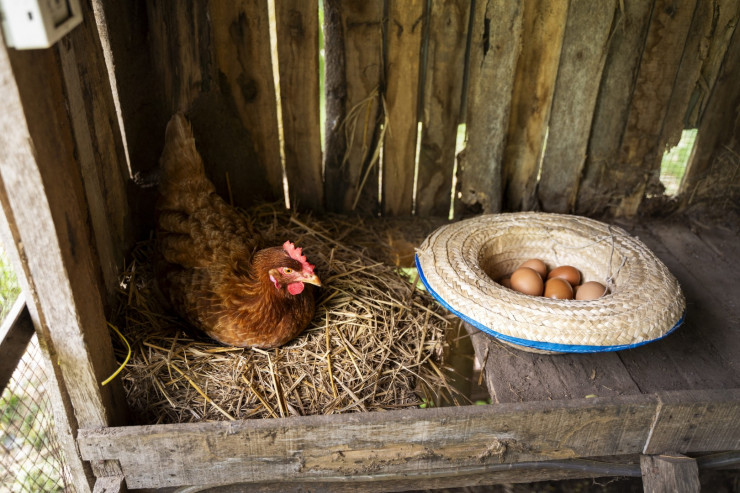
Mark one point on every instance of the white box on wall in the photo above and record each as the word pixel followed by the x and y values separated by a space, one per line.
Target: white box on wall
pixel 33 24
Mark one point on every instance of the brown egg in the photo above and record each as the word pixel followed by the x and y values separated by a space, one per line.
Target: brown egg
pixel 505 282
pixel 567 272
pixel 536 265
pixel 590 290
pixel 527 281
pixel 558 289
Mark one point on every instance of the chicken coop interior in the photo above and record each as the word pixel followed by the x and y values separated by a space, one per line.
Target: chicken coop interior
pixel 355 130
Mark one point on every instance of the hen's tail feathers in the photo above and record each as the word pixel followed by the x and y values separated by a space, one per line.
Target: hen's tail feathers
pixel 183 174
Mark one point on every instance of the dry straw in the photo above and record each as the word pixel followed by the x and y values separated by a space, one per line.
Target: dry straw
pixel 370 346
pixel 460 262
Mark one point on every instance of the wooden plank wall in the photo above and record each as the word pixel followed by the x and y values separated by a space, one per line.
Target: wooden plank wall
pixel 568 106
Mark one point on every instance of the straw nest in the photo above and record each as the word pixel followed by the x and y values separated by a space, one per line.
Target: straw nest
pixel 375 343
pixel 460 261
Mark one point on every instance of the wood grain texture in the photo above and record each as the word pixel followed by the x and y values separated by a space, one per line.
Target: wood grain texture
pixel 448 35
pixel 669 473
pixel 494 51
pixel 353 37
pixel 242 54
pixel 16 332
pixel 598 191
pixel 534 85
pixel 298 55
pixel 403 56
pixel 409 443
pixel 390 445
pixel 640 152
pixel 99 145
pixel 709 176
pixel 585 45
pixel 44 202
pixel 724 21
pixel 512 375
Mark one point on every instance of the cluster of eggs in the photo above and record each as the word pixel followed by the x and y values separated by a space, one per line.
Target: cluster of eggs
pixel 561 283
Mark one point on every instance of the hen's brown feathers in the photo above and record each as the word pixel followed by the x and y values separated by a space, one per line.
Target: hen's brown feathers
pixel 210 267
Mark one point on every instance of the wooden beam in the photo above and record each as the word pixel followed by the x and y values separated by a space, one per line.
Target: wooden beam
pixel 585 45
pixel 16 332
pixel 298 56
pixel 542 38
pixel 670 473
pixel 404 30
pixel 448 35
pixel 494 51
pixel 412 443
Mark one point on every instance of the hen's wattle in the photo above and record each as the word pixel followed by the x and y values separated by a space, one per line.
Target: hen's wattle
pixel 211 266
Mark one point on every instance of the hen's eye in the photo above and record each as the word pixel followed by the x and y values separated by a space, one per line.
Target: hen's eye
pixel 287 270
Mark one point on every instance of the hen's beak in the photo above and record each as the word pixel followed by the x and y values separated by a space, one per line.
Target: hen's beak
pixel 312 279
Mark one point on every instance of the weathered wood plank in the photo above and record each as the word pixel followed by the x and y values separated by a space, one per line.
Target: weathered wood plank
pixel 43 201
pixel 403 57
pixel 542 35
pixel 597 190
pixel 585 45
pixel 669 473
pixel 298 55
pixel 494 51
pixel 409 443
pixel 239 39
pixel 391 445
pixel 353 35
pixel 99 145
pixel 16 333
pixel 724 22
pixel 640 152
pixel 110 484
pixel 680 415
pixel 512 375
pixel 448 35
pixel 709 175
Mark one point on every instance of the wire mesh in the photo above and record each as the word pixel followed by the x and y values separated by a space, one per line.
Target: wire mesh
pixel 673 165
pixel 30 457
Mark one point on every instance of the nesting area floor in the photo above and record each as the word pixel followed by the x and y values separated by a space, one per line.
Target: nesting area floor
pixel 704 353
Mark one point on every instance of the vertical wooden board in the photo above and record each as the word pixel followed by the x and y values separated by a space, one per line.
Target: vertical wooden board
pixel 585 45
pixel 724 22
pixel 298 56
pixel 597 188
pixel 44 192
pixel 403 58
pixel 243 72
pixel 718 129
pixel 353 34
pixel 687 78
pixel 669 473
pixel 494 51
pixel 99 144
pixel 448 34
pixel 542 35
pixel 640 151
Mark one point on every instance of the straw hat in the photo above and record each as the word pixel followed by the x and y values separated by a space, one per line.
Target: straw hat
pixel 459 262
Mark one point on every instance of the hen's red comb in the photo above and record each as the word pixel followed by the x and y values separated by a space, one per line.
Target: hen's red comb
pixel 296 253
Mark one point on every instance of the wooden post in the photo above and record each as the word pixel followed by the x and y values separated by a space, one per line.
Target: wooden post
pixel 448 35
pixel 403 52
pixel 16 332
pixel 43 198
pixel 673 473
pixel 494 51
pixel 298 56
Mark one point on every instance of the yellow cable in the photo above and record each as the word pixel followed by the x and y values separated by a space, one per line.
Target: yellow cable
pixel 124 361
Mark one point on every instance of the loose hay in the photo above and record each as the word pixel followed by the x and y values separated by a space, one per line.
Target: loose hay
pixel 375 343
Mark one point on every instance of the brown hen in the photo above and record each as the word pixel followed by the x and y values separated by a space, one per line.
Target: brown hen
pixel 210 265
